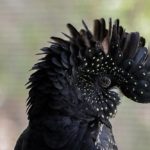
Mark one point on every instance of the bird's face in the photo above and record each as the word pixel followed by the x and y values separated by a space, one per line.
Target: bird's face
pixel 96 78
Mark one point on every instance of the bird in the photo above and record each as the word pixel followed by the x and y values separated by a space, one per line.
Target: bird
pixel 71 90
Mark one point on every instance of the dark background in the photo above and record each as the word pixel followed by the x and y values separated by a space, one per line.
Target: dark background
pixel 25 27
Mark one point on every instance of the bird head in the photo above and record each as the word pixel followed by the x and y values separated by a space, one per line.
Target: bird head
pixel 83 70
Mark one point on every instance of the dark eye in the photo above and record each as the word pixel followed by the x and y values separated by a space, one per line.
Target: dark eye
pixel 104 81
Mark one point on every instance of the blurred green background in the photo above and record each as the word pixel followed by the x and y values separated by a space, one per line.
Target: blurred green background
pixel 25 27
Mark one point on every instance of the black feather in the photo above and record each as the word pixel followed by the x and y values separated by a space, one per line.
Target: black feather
pixel 73 31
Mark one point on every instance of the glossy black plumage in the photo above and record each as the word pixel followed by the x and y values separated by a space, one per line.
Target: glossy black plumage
pixel 71 99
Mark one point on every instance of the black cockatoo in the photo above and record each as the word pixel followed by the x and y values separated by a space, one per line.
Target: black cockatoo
pixel 71 96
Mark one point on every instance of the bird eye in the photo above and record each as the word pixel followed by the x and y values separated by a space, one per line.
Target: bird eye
pixel 105 81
